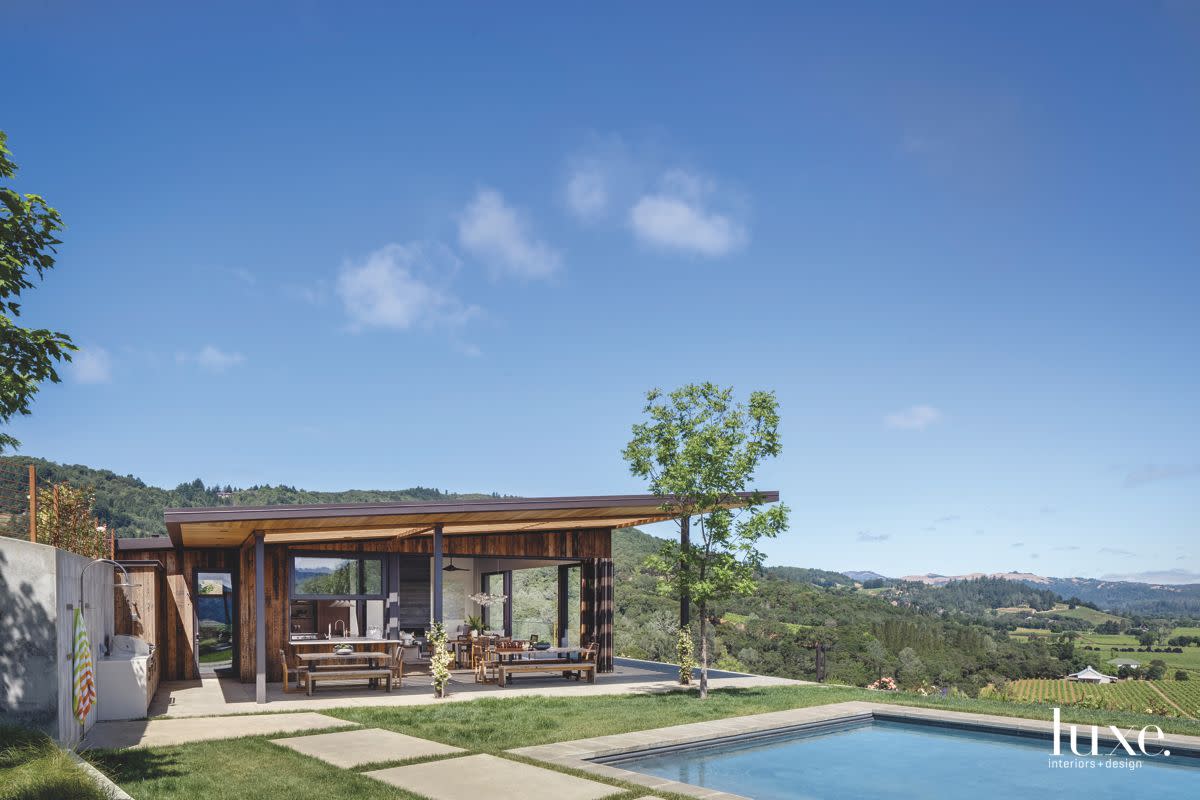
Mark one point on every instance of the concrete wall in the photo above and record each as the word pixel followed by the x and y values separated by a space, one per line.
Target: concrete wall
pixel 37 583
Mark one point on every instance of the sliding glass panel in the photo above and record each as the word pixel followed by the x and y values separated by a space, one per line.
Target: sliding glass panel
pixel 334 576
pixel 535 603
pixel 317 575
pixel 456 588
pixel 573 606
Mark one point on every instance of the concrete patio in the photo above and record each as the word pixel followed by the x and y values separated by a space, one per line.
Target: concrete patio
pixel 214 696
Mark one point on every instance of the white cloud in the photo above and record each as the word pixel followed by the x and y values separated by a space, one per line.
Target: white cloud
pixel 92 365
pixel 677 217
pixel 211 358
pixel 867 536
pixel 913 419
pixel 401 286
pixel 499 235
pixel 588 192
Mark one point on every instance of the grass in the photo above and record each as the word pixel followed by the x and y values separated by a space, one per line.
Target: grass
pixel 251 767
pixel 32 767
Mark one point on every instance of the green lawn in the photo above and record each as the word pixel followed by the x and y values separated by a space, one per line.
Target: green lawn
pixel 1188 660
pixel 254 768
pixel 33 768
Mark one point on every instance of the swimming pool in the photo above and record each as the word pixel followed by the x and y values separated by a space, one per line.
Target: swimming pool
pixel 893 759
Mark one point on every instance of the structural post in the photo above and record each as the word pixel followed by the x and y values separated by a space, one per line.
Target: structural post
pixel 32 503
pixel 508 628
pixel 564 576
pixel 260 622
pixel 437 573
pixel 685 598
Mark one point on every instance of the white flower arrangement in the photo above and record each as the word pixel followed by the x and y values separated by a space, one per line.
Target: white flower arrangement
pixel 484 599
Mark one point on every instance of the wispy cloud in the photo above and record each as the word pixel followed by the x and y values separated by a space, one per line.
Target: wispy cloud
pixel 211 358
pixel 92 365
pixel 678 216
pixel 1116 551
pixel 947 518
pixel 1017 544
pixel 244 276
pixel 914 418
pixel 867 536
pixel 1167 576
pixel 1066 547
pixel 402 286
pixel 500 236
pixel 588 191
pixel 1153 473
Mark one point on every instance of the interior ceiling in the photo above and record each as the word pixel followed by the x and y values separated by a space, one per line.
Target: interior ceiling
pixel 233 527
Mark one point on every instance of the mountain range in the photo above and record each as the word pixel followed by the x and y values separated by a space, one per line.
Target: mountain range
pixel 1110 595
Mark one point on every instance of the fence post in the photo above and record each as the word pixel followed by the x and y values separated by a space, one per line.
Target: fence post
pixel 32 504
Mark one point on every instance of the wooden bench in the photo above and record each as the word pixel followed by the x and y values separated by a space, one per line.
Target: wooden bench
pixel 369 673
pixel 507 670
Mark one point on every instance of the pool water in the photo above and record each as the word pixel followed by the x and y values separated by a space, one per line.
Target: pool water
pixel 885 759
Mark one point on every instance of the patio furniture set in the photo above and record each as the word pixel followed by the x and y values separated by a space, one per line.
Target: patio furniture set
pixel 492 659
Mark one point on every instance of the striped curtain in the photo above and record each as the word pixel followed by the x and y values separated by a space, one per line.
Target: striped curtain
pixel 84 680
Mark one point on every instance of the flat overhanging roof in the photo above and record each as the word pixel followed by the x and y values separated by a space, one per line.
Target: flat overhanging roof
pixel 231 526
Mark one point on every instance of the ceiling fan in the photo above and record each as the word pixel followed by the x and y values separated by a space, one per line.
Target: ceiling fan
pixel 452 568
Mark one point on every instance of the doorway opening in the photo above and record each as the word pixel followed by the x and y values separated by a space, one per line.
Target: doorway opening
pixel 216 623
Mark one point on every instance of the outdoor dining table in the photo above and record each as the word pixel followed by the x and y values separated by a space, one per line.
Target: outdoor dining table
pixel 515 653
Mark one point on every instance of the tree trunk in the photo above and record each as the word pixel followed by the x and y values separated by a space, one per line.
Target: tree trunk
pixel 703 610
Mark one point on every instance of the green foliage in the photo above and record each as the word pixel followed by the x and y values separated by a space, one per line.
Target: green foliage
pixel 439 658
pixel 698 449
pixel 65 519
pixel 28 240
pixel 685 653
pixel 474 623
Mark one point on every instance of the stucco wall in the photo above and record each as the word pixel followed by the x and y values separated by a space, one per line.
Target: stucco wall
pixel 37 583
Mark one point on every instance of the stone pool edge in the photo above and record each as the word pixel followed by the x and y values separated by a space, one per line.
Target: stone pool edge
pixel 583 754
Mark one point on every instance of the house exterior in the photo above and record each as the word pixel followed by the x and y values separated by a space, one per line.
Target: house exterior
pixel 1091 675
pixel 381 570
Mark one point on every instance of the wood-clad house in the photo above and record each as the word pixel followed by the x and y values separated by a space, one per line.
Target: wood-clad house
pixel 379 569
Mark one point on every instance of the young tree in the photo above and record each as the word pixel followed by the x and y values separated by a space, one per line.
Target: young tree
pixel 28 237
pixel 698 449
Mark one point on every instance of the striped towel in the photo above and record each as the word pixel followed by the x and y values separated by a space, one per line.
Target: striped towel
pixel 84 684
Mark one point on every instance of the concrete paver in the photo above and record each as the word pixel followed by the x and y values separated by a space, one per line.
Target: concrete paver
pixel 365 746
pixel 163 732
pixel 472 777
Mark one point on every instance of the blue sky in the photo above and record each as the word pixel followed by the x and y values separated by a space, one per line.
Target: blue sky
pixel 380 247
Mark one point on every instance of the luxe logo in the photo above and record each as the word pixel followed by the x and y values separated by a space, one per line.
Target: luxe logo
pixel 1122 742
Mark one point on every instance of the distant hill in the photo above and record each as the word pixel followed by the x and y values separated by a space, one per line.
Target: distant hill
pixel 865 575
pixel 132 508
pixel 817 577
pixel 933 579
pixel 1123 597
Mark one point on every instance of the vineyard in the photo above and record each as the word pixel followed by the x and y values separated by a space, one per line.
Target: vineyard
pixel 1168 698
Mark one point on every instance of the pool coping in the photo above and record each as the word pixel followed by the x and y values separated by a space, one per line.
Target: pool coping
pixel 591 755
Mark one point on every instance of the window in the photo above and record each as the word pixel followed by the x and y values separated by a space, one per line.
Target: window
pixel 337 577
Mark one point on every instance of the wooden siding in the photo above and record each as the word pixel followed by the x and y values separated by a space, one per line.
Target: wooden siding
pixel 144 598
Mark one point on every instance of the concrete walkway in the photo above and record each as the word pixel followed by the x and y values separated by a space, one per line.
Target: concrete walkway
pixel 365 746
pixel 164 732
pixel 472 777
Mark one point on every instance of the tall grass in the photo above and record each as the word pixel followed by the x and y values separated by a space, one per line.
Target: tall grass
pixel 32 767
